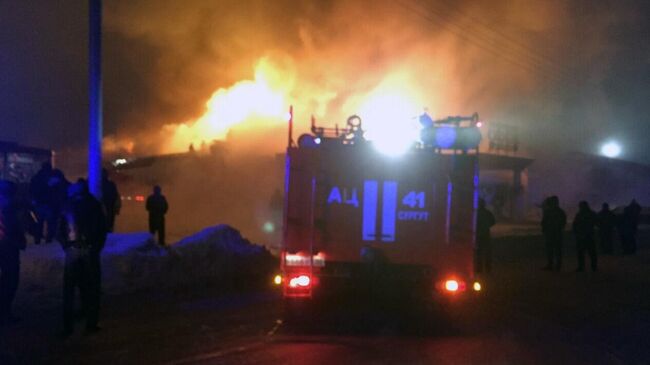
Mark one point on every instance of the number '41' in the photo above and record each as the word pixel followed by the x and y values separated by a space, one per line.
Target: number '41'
pixel 414 199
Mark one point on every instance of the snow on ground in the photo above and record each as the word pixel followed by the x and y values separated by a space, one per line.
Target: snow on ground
pixel 133 261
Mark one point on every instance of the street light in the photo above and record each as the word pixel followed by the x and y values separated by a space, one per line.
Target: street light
pixel 610 149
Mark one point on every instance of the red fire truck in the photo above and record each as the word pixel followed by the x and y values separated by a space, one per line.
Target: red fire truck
pixel 352 213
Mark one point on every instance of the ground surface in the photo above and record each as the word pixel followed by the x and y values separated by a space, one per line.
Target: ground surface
pixel 526 316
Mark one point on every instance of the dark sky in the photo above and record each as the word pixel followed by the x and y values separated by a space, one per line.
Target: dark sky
pixel 568 74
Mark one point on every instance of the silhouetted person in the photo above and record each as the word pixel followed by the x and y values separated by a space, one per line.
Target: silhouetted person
pixel 584 225
pixel 57 194
pixel 629 226
pixel 157 208
pixel 39 192
pixel 12 240
pixel 484 221
pixel 111 200
pixel 553 224
pixel 606 224
pixel 82 234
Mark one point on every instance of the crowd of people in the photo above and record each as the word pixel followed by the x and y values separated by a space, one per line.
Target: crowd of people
pixel 586 226
pixel 68 213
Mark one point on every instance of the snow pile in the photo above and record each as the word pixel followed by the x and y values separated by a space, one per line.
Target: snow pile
pixel 134 261
pixel 216 252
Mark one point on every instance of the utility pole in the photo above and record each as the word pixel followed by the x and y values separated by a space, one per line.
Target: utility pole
pixel 95 97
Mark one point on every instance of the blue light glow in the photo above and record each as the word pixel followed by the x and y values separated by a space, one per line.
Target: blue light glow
pixel 445 137
pixel 369 210
pixel 389 211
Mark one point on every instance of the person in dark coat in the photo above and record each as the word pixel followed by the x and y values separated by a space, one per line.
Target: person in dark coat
pixel 39 192
pixel 82 234
pixel 111 200
pixel 157 208
pixel 584 225
pixel 484 221
pixel 553 224
pixel 12 240
pixel 606 224
pixel 629 227
pixel 57 194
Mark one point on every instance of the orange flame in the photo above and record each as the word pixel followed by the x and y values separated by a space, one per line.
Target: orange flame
pixel 247 102
pixel 389 110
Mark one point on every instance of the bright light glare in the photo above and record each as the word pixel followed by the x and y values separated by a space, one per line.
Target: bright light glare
pixel 477 286
pixel 302 280
pixel 268 227
pixel 451 285
pixel 277 280
pixel 388 119
pixel 296 260
pixel 610 149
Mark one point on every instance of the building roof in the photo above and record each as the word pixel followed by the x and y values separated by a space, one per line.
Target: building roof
pixel 489 161
pixel 12 147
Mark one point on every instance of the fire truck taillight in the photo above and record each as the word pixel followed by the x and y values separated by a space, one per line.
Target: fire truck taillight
pixel 301 281
pixel 451 285
pixel 277 280
pixel 454 286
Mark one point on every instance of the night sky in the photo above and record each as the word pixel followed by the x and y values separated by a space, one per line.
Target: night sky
pixel 569 76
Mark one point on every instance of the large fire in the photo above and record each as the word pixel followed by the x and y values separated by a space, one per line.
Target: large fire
pixel 257 103
pixel 389 111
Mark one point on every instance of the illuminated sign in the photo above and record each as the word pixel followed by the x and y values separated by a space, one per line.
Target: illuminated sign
pixel 345 198
pixel 412 208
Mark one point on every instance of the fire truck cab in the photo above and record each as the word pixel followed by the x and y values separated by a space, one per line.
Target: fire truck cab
pixel 352 214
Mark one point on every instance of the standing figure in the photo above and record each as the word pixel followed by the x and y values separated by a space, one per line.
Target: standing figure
pixel 484 221
pixel 12 240
pixel 157 208
pixel 111 200
pixel 57 192
pixel 39 192
pixel 82 234
pixel 553 224
pixel 629 227
pixel 584 225
pixel 606 224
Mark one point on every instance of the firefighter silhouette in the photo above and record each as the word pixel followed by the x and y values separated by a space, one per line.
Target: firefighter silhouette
pixel 157 207
pixel 82 234
pixel 553 224
pixel 606 224
pixel 12 240
pixel 484 221
pixel 584 225
pixel 629 227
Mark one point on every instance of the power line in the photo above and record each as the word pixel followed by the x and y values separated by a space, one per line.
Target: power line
pixel 444 22
pixel 488 28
